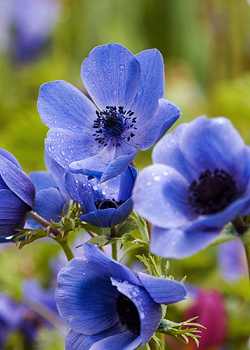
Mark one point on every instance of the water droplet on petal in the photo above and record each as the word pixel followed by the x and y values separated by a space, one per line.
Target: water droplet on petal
pixel 157 178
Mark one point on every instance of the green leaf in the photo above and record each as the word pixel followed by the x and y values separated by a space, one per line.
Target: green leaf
pixel 100 231
pixel 227 234
pixel 127 237
pixel 99 240
pixel 142 225
pixel 127 226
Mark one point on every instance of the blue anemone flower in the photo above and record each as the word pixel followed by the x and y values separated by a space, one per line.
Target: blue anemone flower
pixel 107 305
pixel 105 204
pixel 51 196
pixel 200 181
pixel 129 111
pixel 17 195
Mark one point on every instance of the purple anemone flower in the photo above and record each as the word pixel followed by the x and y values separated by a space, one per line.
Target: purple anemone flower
pixel 105 204
pixel 107 305
pixel 129 111
pixel 17 195
pixel 51 196
pixel 200 181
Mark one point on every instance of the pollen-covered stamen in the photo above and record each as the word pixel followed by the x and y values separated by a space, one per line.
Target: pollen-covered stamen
pixel 112 123
pixel 212 192
pixel 103 203
pixel 128 313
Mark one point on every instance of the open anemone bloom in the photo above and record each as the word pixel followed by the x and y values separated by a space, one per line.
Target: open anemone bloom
pixel 108 306
pixel 129 111
pixel 51 197
pixel 104 204
pixel 200 181
pixel 17 195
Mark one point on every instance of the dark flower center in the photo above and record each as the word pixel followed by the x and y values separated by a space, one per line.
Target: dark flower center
pixel 128 313
pixel 103 203
pixel 112 124
pixel 212 192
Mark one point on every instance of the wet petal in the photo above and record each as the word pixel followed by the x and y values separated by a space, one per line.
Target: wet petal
pixel 111 76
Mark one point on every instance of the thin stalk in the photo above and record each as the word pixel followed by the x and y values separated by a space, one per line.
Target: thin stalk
pixel 114 245
pixel 66 248
pixel 247 252
pixel 161 337
pixel 43 222
pixel 153 345
pixel 92 234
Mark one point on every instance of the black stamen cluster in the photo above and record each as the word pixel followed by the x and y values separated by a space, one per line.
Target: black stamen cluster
pixel 103 203
pixel 212 192
pixel 113 123
pixel 128 313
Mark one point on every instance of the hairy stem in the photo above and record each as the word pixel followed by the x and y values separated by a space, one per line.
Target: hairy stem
pixel 247 252
pixel 43 222
pixel 114 245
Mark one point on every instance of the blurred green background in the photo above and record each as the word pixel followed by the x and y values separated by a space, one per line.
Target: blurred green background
pixel 206 49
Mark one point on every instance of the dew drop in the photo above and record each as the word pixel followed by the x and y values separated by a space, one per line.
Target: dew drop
pixel 157 178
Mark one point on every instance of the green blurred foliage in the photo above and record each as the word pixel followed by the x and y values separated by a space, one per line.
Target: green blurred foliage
pixel 206 50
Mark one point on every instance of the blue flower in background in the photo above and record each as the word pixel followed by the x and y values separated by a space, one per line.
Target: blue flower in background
pixel 105 204
pixel 17 195
pixel 51 196
pixel 200 181
pixel 107 305
pixel 129 111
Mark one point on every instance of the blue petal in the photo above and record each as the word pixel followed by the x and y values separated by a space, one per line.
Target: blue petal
pixel 48 204
pixel 149 311
pixel 57 172
pixel 167 151
pixel 160 195
pixel 181 243
pixel 122 212
pixel 61 105
pixel 125 341
pixel 88 308
pixel 117 166
pixel 42 180
pixel 122 273
pixel 232 259
pixel 10 157
pixel 17 181
pixel 111 76
pixel 152 84
pixel 94 254
pixel 168 114
pixel 213 144
pixel 13 212
pixel 127 180
pixel 99 218
pixel 66 146
pixel 163 290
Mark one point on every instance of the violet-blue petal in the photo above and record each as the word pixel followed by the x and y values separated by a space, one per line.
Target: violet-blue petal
pixel 13 212
pixel 126 340
pixel 17 181
pixel 93 254
pixel 181 243
pixel 85 298
pixel 152 84
pixel 111 76
pixel 160 186
pixel 42 180
pixel 117 166
pixel 149 311
pixel 123 273
pixel 48 204
pixel 206 142
pixel 163 290
pixel 99 218
pixel 127 180
pixel 61 105
pixel 66 146
pixel 167 151
pixel 10 157
pixel 122 212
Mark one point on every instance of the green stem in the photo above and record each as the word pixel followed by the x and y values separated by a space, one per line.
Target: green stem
pixel 114 245
pixel 247 251
pixel 66 248
pixel 161 337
